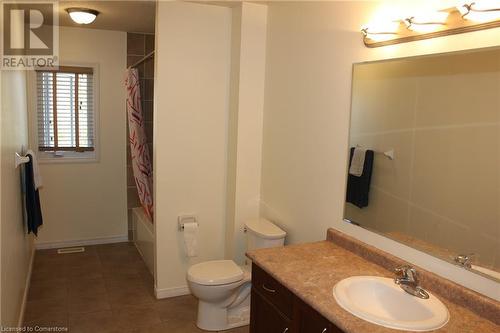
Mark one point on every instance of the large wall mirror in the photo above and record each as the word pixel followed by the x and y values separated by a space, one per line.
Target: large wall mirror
pixel 424 158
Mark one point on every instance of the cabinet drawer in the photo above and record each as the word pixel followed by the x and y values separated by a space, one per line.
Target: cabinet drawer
pixel 272 290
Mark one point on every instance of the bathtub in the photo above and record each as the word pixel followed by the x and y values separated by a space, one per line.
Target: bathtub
pixel 144 237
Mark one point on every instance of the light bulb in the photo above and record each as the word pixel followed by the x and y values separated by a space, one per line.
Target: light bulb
pixel 427 22
pixel 381 30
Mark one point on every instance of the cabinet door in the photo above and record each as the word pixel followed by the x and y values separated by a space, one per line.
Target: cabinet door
pixel 265 318
pixel 310 321
pixel 273 291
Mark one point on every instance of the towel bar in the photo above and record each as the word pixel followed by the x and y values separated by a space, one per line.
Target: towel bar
pixel 389 153
pixel 21 160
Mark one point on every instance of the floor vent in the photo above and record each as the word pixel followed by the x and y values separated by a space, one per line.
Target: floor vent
pixel 71 250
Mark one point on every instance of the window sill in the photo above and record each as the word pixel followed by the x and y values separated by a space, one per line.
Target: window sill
pixel 67 157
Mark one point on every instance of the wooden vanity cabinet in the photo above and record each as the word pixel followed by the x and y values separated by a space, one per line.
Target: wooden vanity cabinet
pixel 275 309
pixel 265 318
pixel 309 320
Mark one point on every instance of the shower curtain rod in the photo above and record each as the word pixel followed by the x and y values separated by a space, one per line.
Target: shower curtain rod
pixel 147 56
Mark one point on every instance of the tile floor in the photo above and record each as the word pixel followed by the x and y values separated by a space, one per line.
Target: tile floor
pixel 106 289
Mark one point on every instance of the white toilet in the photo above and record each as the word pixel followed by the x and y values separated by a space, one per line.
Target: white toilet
pixel 223 288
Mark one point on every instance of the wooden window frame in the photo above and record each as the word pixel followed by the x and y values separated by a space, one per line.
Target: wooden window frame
pixel 76 70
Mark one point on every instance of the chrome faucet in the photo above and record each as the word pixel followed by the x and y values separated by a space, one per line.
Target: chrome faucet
pixel 464 260
pixel 408 281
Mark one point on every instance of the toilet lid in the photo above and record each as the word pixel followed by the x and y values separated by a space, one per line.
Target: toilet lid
pixel 216 272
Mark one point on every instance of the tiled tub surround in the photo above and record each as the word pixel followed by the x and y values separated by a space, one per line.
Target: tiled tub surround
pixel 311 270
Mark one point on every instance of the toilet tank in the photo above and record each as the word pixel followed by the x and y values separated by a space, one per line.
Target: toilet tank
pixel 262 233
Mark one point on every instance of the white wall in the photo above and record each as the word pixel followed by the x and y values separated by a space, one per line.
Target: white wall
pixel 249 30
pixel 16 245
pixel 83 201
pixel 310 51
pixel 190 144
pixel 232 130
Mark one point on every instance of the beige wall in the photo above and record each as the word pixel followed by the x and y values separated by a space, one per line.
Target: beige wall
pixel 190 144
pixel 16 245
pixel 83 201
pixel 248 61
pixel 310 51
pixel 441 116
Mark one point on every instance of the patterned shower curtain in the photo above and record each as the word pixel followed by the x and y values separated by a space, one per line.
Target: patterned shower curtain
pixel 141 162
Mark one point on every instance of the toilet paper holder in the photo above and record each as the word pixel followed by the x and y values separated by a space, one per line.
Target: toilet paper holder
pixel 183 219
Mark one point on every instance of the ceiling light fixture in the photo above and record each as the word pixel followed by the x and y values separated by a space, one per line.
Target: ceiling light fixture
pixel 82 15
pixel 480 11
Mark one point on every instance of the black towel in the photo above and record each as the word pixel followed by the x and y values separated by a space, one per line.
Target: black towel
pixel 358 188
pixel 33 208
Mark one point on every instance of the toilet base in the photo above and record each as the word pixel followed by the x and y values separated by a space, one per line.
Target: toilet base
pixel 213 318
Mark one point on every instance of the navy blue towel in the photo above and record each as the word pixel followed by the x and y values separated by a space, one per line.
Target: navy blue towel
pixel 358 188
pixel 33 208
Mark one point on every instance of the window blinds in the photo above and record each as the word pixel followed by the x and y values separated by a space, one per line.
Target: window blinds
pixel 65 107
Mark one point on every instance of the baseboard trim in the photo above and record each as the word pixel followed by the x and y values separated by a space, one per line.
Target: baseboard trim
pixel 172 292
pixel 20 322
pixel 81 242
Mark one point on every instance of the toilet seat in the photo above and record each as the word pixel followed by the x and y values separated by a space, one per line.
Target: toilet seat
pixel 215 273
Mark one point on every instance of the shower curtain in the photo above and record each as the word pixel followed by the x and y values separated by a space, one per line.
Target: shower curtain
pixel 141 162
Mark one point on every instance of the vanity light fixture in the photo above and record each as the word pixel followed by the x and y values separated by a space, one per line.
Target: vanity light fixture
pixel 473 16
pixel 378 36
pixel 82 15
pixel 381 31
pixel 428 22
pixel 480 11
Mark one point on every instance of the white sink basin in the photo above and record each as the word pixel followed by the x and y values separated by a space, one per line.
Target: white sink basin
pixel 382 302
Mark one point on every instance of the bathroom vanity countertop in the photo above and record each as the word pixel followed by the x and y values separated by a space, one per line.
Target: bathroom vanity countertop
pixel 311 270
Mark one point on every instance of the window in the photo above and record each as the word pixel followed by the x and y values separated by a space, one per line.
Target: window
pixel 65 110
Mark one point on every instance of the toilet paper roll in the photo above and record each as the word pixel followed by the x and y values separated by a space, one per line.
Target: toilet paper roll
pixel 191 238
